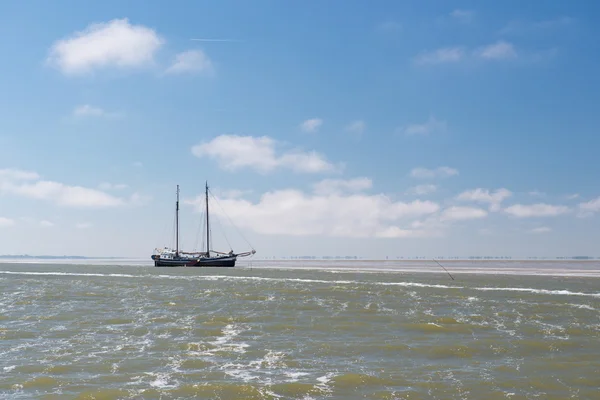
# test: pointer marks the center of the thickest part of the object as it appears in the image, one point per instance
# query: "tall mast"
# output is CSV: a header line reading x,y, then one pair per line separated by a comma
x,y
177,224
207,228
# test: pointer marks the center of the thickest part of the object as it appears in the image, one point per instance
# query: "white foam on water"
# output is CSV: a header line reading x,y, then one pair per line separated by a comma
x,y
294,376
9,368
239,371
224,343
324,382
301,280
582,306
162,380
538,291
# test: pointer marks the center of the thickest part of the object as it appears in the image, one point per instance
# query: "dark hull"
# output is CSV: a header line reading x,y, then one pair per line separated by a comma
x,y
215,262
177,262
228,261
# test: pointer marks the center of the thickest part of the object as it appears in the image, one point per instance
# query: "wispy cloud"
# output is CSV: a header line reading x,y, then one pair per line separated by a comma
x,y
500,50
445,55
83,225
421,190
6,222
440,172
541,229
116,43
89,111
234,152
46,224
589,207
494,199
337,186
463,16
357,127
28,184
432,125
191,61
462,213
536,210
311,125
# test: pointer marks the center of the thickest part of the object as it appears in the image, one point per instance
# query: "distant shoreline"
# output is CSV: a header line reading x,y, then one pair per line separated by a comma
x,y
25,256
330,260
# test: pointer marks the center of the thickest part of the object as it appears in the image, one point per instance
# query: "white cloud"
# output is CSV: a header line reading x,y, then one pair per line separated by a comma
x,y
111,186
87,110
500,50
6,222
424,189
292,212
462,213
191,61
336,186
115,43
463,15
494,199
28,184
234,152
311,125
432,125
357,127
541,229
440,172
46,224
573,196
536,210
10,174
589,207
83,225
441,56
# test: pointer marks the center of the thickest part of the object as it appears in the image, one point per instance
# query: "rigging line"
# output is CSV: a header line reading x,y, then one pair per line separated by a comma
x,y
223,231
443,268
236,228
200,226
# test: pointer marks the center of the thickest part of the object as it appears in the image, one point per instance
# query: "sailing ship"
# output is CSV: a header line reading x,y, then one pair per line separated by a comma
x,y
168,257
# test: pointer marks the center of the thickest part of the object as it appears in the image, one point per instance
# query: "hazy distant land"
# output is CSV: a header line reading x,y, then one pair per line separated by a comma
x,y
48,257
324,258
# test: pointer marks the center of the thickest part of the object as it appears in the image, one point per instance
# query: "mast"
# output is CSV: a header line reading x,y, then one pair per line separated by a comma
x,y
177,224
207,226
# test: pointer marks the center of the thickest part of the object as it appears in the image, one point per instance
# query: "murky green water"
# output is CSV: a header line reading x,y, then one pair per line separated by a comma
x,y
85,332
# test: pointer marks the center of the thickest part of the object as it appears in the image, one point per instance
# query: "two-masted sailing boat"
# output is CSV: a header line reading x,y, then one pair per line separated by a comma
x,y
168,257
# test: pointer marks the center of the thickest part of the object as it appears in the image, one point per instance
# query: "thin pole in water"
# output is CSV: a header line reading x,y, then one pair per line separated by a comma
x,y
443,268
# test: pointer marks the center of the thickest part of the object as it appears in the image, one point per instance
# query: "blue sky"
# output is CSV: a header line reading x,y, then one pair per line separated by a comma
x,y
341,127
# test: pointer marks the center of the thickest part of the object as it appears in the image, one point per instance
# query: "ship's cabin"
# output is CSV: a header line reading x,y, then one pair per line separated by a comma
x,y
167,254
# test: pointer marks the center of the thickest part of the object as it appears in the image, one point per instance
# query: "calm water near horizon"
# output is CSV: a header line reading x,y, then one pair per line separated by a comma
x,y
303,330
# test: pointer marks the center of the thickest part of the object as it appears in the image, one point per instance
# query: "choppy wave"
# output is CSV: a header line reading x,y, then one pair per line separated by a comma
x,y
96,332
305,280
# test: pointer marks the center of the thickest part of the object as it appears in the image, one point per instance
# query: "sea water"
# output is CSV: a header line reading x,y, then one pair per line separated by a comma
x,y
301,330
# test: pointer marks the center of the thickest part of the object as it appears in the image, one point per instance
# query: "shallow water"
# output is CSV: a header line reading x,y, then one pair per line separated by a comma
x,y
118,332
